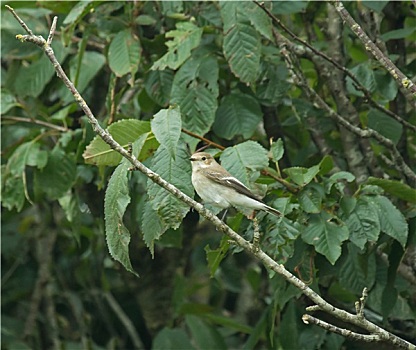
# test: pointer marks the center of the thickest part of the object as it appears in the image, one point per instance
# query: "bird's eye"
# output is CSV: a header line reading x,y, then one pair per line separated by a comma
x,y
204,158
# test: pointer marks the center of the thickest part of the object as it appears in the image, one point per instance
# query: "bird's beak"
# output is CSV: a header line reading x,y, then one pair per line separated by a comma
x,y
192,159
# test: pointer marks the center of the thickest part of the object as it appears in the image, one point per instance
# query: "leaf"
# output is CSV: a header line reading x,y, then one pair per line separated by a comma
x,y
204,335
398,33
336,178
396,188
186,37
175,338
8,101
77,12
242,48
385,125
257,17
32,79
116,200
166,126
365,75
302,176
358,270
177,172
195,90
58,176
363,224
238,114
152,226
13,193
277,150
247,155
124,131
124,53
158,85
289,7
310,198
214,257
326,236
392,221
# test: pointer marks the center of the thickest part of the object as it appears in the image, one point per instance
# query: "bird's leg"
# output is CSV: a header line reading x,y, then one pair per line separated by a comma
x,y
223,215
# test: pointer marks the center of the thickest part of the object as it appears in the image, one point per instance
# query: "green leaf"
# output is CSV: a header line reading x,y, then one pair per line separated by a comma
x,y
32,79
177,172
58,176
289,7
13,192
204,335
377,6
238,114
166,126
257,17
398,33
365,74
186,37
242,49
336,178
158,85
392,221
310,198
363,223
247,155
195,90
77,12
302,176
396,188
358,270
326,236
172,339
124,53
152,226
124,131
116,200
8,101
277,150
214,257
385,125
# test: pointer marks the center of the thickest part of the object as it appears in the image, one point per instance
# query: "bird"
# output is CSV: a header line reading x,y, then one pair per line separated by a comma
x,y
216,186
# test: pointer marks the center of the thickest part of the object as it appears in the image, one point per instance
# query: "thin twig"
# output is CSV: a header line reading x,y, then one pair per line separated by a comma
x,y
23,24
52,31
37,122
199,137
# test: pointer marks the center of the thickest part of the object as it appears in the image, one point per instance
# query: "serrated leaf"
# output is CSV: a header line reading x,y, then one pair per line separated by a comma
x,y
13,193
363,224
77,12
310,198
357,271
116,200
124,53
385,125
247,155
186,37
124,131
195,90
258,18
152,226
326,236
177,172
238,114
242,49
166,126
392,221
336,178
396,188
158,85
58,176
365,74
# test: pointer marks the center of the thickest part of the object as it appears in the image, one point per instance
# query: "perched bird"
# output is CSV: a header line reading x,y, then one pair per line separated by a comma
x,y
216,186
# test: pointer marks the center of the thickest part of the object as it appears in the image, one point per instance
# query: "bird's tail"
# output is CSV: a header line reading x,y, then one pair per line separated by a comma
x,y
271,210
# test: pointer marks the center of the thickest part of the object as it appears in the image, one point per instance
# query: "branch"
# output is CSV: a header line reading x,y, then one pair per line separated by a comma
x,y
395,72
311,50
240,241
37,122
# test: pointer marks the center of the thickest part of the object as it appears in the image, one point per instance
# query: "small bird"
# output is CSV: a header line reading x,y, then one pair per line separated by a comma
x,y
216,186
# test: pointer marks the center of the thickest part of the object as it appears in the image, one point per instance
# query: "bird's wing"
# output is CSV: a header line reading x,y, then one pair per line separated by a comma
x,y
232,182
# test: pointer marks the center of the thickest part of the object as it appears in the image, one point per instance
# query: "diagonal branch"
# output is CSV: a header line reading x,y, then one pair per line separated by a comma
x,y
240,241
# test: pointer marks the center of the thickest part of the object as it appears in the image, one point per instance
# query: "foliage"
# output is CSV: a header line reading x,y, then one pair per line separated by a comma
x,y
155,73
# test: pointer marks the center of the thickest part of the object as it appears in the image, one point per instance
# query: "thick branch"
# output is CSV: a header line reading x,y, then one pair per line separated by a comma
x,y
240,241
